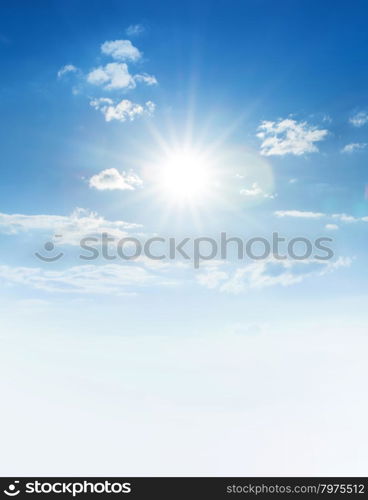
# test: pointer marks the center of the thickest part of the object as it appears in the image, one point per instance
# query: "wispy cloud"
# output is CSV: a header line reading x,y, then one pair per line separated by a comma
x,y
348,218
112,179
68,68
256,192
134,30
288,136
145,78
359,119
318,215
354,146
72,227
264,274
85,279
123,110
299,214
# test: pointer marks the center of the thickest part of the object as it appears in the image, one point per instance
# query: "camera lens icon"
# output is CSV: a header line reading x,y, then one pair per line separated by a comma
x,y
49,246
12,490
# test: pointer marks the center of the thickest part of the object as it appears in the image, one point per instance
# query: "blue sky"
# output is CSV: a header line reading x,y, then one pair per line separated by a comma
x,y
183,120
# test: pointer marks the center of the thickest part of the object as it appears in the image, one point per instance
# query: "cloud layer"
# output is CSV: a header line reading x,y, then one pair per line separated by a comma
x,y
86,279
79,224
268,273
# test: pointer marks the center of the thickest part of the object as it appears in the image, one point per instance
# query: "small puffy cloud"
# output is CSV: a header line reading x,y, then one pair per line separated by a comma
x,y
293,181
134,30
299,214
111,179
116,76
354,146
68,68
288,136
332,227
121,50
112,76
359,119
256,192
123,110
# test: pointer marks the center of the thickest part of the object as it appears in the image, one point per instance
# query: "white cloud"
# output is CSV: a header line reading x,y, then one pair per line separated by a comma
x,y
317,215
271,272
145,78
101,101
293,181
332,227
68,68
299,214
111,179
354,146
150,107
121,50
116,76
346,218
256,192
288,136
134,29
112,76
72,227
123,110
359,119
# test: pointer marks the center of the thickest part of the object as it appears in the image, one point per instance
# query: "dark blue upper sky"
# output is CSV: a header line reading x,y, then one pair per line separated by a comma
x,y
263,58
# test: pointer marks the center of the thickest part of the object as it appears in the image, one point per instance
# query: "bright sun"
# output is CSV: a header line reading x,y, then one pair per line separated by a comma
x,y
185,176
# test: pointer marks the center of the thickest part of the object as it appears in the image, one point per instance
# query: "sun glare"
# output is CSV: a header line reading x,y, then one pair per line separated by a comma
x,y
185,176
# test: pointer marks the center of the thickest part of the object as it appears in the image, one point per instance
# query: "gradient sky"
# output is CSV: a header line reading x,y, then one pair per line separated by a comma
x,y
155,368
